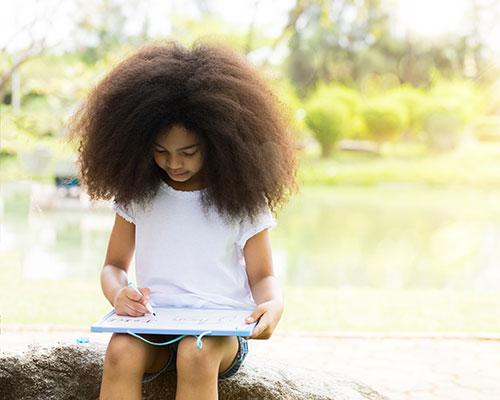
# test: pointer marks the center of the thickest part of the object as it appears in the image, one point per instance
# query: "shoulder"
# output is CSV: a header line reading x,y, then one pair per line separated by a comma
x,y
126,211
250,226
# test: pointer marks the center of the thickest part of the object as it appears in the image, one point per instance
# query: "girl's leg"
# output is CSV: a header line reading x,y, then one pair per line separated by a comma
x,y
126,360
197,370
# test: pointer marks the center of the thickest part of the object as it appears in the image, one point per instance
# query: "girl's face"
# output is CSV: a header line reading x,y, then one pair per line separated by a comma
x,y
179,153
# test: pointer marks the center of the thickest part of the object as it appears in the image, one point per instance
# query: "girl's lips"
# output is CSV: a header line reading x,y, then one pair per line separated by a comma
x,y
174,174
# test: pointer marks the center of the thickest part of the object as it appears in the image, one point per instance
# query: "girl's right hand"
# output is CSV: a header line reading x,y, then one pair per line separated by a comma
x,y
129,302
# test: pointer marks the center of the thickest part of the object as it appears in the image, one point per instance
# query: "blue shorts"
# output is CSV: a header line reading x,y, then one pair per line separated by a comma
x,y
172,362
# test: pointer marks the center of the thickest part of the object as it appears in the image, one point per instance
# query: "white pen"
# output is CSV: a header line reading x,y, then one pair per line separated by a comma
x,y
148,306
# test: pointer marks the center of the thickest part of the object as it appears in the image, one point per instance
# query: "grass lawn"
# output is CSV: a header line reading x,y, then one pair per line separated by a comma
x,y
476,166
390,310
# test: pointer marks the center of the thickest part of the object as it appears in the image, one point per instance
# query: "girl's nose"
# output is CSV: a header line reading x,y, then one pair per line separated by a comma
x,y
174,164
174,167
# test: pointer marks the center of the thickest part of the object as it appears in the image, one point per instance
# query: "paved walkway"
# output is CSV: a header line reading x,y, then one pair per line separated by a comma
x,y
402,368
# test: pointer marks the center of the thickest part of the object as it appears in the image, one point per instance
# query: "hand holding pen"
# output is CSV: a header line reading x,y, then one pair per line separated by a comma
x,y
146,299
134,302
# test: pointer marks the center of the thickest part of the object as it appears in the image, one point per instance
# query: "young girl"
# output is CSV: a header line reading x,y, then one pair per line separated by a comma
x,y
194,149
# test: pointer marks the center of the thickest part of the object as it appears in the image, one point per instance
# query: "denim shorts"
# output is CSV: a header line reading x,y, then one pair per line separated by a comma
x,y
171,363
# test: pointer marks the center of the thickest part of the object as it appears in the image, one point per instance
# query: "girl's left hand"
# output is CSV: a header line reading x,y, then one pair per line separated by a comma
x,y
269,314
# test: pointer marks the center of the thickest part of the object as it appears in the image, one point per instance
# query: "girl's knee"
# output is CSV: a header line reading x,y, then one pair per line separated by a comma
x,y
124,353
199,361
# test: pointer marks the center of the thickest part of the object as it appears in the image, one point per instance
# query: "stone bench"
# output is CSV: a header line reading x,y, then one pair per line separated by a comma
x,y
74,372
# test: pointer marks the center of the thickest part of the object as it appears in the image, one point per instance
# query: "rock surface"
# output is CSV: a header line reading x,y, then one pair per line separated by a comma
x,y
74,372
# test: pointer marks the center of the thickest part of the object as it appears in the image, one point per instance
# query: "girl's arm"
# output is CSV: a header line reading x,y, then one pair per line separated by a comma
x,y
265,287
114,280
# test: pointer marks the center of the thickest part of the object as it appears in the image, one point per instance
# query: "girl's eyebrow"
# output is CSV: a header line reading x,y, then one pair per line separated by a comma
x,y
182,148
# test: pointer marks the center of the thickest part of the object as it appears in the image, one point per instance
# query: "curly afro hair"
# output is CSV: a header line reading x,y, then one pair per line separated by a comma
x,y
214,92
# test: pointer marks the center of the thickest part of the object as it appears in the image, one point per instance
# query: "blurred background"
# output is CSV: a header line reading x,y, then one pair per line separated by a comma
x,y
396,110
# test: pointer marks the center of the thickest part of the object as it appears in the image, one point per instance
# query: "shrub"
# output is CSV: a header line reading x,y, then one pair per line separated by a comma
x,y
332,113
412,100
328,123
385,118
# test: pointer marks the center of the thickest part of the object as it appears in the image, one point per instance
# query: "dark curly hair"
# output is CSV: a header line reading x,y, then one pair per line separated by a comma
x,y
214,92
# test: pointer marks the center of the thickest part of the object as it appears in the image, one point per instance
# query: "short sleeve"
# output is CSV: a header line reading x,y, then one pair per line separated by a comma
x,y
262,221
124,211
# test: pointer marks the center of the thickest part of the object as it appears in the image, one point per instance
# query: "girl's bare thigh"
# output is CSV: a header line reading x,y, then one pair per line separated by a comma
x,y
151,358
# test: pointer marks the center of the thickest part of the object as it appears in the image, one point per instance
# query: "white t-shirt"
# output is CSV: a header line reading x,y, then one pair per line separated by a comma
x,y
189,258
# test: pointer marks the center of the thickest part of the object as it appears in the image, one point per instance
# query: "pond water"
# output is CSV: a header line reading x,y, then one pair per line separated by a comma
x,y
401,237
